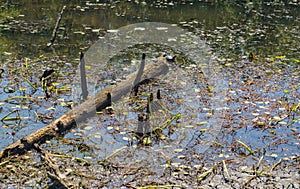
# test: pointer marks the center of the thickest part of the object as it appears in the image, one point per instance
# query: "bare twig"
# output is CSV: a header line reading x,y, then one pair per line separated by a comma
x,y
56,27
54,172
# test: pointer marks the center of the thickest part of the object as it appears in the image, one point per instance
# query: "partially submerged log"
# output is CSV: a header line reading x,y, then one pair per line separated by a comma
x,y
81,112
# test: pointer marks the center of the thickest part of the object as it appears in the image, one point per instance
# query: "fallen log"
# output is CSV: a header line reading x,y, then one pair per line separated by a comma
x,y
84,110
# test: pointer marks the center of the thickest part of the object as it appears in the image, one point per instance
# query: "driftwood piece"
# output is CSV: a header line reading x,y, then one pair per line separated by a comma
x,y
81,112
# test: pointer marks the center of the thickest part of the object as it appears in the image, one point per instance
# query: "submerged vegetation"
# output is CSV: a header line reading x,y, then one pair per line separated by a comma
x,y
255,52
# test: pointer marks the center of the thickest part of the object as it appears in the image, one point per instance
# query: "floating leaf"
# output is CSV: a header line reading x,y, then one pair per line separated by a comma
x,y
273,155
162,136
112,31
188,126
210,88
221,59
260,123
282,122
139,29
97,135
88,128
202,123
162,28
79,32
126,139
277,118
178,150
280,57
95,30
87,67
109,128
203,130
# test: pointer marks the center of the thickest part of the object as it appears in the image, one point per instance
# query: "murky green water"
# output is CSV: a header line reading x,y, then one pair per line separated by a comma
x,y
260,27
262,95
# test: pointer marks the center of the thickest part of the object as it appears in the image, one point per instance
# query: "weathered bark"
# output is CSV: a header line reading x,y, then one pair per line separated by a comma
x,y
81,112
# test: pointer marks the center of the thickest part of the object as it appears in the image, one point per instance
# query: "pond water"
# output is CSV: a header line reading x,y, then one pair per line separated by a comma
x,y
254,49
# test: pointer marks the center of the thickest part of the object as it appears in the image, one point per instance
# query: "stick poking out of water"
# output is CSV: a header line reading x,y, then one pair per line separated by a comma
x,y
139,75
83,77
56,27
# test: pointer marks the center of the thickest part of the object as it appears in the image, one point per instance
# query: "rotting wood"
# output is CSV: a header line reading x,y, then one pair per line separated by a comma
x,y
81,112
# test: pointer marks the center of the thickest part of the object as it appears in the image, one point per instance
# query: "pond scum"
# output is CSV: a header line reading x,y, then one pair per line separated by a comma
x,y
257,146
